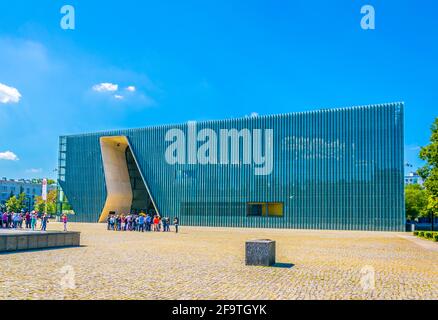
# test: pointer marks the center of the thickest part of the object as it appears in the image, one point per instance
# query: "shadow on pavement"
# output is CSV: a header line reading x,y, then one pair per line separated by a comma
x,y
283,265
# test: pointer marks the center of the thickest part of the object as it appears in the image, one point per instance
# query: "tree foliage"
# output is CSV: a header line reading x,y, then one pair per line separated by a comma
x,y
432,206
40,204
429,172
416,201
40,181
16,204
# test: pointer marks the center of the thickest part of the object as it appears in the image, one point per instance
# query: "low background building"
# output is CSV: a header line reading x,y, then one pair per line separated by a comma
x,y
413,178
12,187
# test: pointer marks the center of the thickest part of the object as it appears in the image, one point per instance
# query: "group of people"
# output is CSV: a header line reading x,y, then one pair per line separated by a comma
x,y
141,223
15,220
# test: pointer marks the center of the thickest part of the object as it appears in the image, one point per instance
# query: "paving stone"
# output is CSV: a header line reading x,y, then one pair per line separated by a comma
x,y
209,263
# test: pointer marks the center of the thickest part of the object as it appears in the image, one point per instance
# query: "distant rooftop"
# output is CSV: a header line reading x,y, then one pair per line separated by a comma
x,y
23,181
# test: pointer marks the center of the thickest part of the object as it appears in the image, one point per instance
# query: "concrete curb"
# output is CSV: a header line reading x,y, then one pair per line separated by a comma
x,y
23,241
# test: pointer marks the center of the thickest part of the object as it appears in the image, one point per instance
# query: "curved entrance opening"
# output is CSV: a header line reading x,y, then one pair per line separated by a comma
x,y
127,191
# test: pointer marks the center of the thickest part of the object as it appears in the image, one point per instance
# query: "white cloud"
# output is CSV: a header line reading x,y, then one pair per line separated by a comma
x,y
9,94
34,170
118,97
106,87
8,155
131,89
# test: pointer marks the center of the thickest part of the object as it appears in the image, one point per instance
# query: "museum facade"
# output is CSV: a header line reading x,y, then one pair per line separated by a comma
x,y
340,169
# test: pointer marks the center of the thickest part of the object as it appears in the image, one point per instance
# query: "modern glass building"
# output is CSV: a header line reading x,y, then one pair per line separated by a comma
x,y
329,169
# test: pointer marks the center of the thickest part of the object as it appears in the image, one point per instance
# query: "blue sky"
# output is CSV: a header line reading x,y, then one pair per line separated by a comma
x,y
197,60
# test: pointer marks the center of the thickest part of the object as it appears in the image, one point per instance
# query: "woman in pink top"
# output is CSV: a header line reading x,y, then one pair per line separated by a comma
x,y
64,220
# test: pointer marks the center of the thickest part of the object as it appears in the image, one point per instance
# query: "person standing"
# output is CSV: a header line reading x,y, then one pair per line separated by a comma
x,y
16,220
112,223
137,223
156,223
10,220
176,223
64,220
5,220
27,220
163,222
160,222
33,220
141,223
129,222
119,222
44,220
168,224
122,222
147,222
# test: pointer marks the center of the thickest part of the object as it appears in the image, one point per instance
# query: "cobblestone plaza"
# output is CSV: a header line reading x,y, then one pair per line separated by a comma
x,y
208,263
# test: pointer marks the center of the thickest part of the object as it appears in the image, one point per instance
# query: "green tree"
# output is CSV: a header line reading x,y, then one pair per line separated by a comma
x,y
12,204
416,201
40,181
22,200
16,204
432,206
40,204
429,172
